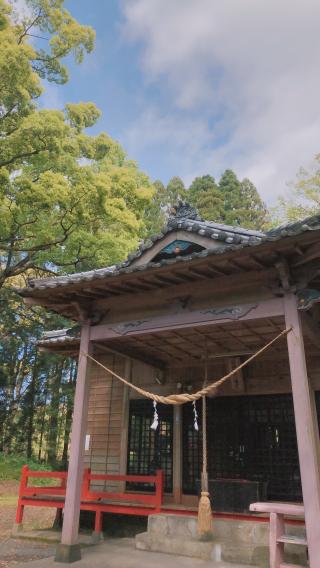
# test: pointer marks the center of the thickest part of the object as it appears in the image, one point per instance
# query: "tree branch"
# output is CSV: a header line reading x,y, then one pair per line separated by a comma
x,y
19,156
27,28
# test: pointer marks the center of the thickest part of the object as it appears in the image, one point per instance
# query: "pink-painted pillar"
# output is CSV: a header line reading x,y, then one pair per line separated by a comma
x,y
306,428
69,550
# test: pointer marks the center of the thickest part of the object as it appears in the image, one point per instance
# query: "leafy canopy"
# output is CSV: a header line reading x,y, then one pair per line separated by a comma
x,y
231,201
164,198
68,201
205,195
304,197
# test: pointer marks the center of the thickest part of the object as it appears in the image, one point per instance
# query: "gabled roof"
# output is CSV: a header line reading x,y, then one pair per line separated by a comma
x,y
184,218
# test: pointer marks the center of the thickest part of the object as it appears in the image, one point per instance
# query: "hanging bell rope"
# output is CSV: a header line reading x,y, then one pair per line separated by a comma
x,y
204,509
182,398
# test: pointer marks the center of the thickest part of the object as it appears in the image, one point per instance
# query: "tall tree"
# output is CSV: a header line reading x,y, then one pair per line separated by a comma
x,y
303,198
156,212
242,203
204,194
164,198
50,169
175,192
68,201
253,211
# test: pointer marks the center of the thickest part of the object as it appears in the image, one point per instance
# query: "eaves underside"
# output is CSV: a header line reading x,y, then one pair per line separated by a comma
x,y
61,294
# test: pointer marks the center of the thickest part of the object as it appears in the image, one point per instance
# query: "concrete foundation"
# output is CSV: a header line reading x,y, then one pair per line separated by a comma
x,y
234,541
68,553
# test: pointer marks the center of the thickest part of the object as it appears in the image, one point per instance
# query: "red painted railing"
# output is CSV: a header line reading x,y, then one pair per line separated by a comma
x,y
91,500
277,535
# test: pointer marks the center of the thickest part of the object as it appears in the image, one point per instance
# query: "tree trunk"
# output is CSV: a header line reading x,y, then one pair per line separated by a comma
x,y
42,422
31,410
54,413
69,412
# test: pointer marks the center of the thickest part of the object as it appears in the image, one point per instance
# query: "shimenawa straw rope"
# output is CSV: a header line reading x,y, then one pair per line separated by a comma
x,y
204,510
182,398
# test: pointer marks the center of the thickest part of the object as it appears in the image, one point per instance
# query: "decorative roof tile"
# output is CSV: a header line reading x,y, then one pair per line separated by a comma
x,y
184,217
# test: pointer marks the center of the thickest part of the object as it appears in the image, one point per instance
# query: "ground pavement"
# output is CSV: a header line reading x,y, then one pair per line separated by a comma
x,y
121,553
12,550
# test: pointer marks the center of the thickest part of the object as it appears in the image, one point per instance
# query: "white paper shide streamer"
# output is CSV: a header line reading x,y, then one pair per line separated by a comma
x,y
155,422
195,416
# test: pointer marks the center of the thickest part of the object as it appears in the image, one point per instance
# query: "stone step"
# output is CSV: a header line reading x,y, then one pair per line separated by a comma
x,y
238,542
186,547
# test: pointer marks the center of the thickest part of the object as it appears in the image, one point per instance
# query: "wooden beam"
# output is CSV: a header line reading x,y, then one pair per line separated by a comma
x,y
306,428
211,286
147,360
283,269
237,381
311,328
186,318
310,254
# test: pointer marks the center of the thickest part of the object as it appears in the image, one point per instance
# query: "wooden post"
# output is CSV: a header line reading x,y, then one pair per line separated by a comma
x,y
159,490
20,508
177,454
276,531
125,422
306,428
69,550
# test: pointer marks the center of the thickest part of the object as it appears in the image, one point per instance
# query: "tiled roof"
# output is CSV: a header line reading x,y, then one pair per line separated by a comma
x,y
60,337
185,219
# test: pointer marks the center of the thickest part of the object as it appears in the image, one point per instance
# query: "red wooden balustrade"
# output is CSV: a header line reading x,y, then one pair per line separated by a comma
x,y
91,500
277,536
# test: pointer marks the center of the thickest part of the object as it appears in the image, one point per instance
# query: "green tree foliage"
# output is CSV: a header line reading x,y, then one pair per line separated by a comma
x,y
252,211
66,199
175,192
230,201
303,200
36,389
242,203
156,213
164,198
205,195
50,21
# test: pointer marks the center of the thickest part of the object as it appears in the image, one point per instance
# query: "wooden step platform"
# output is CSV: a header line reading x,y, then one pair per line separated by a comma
x,y
291,539
286,565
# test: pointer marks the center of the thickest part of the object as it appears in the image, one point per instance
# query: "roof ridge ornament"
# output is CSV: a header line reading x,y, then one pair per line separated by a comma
x,y
184,210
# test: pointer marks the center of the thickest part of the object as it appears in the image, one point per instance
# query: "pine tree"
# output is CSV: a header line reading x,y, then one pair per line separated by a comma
x,y
242,203
205,196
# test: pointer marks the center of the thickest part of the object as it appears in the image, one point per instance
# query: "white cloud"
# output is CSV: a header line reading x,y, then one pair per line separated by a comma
x,y
51,97
245,73
21,9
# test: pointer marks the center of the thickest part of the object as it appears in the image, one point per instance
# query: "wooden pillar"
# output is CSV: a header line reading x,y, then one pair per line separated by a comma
x,y
69,550
177,454
306,428
125,421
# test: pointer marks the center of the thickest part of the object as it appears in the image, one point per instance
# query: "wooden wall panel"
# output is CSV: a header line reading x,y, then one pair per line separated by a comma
x,y
105,420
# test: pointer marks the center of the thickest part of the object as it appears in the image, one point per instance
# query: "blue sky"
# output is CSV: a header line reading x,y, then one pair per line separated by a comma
x,y
113,79
191,87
